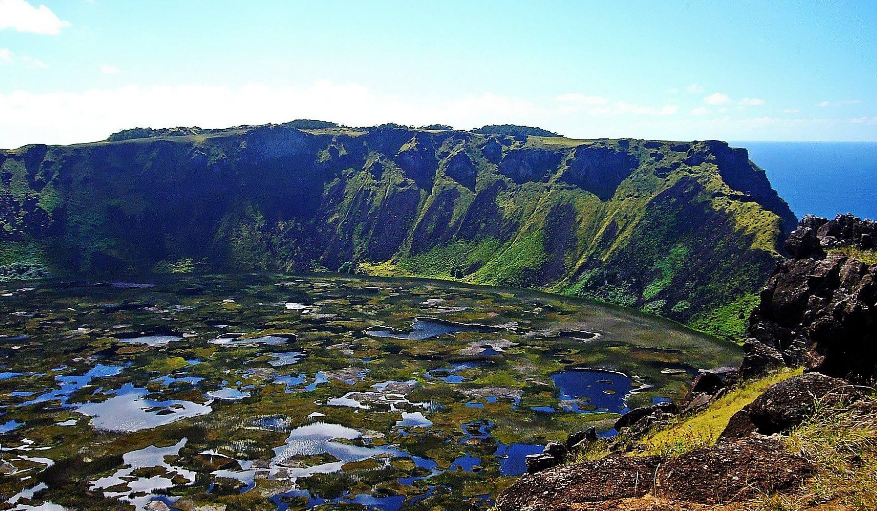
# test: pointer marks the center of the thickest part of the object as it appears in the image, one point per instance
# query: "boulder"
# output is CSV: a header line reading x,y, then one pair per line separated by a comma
x,y
786,404
552,455
759,358
646,415
707,383
555,449
579,437
706,388
539,462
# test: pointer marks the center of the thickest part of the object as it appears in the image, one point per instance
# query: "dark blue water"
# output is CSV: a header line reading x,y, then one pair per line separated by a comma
x,y
514,457
603,389
821,178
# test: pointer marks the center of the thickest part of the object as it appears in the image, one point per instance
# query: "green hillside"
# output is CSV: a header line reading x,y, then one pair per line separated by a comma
x,y
687,230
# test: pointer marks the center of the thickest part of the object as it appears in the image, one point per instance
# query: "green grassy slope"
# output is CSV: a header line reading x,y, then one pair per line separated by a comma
x,y
686,230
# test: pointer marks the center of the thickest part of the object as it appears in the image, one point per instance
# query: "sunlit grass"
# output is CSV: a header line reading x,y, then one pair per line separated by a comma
x,y
704,428
866,256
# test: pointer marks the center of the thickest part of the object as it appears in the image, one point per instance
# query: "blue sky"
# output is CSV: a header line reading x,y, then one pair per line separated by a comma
x,y
76,70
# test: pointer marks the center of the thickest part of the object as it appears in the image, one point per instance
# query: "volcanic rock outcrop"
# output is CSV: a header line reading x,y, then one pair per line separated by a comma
x,y
819,309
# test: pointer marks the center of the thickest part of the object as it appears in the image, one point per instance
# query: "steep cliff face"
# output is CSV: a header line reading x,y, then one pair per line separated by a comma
x,y
681,229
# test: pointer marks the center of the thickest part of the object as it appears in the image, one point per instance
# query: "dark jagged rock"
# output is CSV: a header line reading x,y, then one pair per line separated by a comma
x,y
707,383
555,449
576,439
706,388
727,472
819,310
759,358
644,417
552,455
786,404
539,462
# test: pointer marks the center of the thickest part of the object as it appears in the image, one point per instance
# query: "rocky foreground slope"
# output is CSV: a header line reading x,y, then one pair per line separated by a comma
x,y
764,437
689,230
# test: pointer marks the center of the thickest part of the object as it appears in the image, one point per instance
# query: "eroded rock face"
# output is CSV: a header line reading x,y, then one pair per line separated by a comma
x,y
819,310
727,472
786,404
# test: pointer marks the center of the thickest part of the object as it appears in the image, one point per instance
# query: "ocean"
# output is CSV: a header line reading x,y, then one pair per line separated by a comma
x,y
821,178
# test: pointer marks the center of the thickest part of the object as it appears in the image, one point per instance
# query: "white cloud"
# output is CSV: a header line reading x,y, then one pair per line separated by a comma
x,y
7,56
695,89
701,110
625,108
870,121
21,16
752,101
716,98
576,102
109,70
674,90
791,111
32,62
824,104
600,106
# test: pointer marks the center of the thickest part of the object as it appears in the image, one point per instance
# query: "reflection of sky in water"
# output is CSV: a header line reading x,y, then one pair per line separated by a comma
x,y
421,329
319,379
270,340
311,440
167,381
603,389
464,463
9,426
318,438
285,359
141,489
290,381
152,340
413,420
448,374
228,394
129,410
70,384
